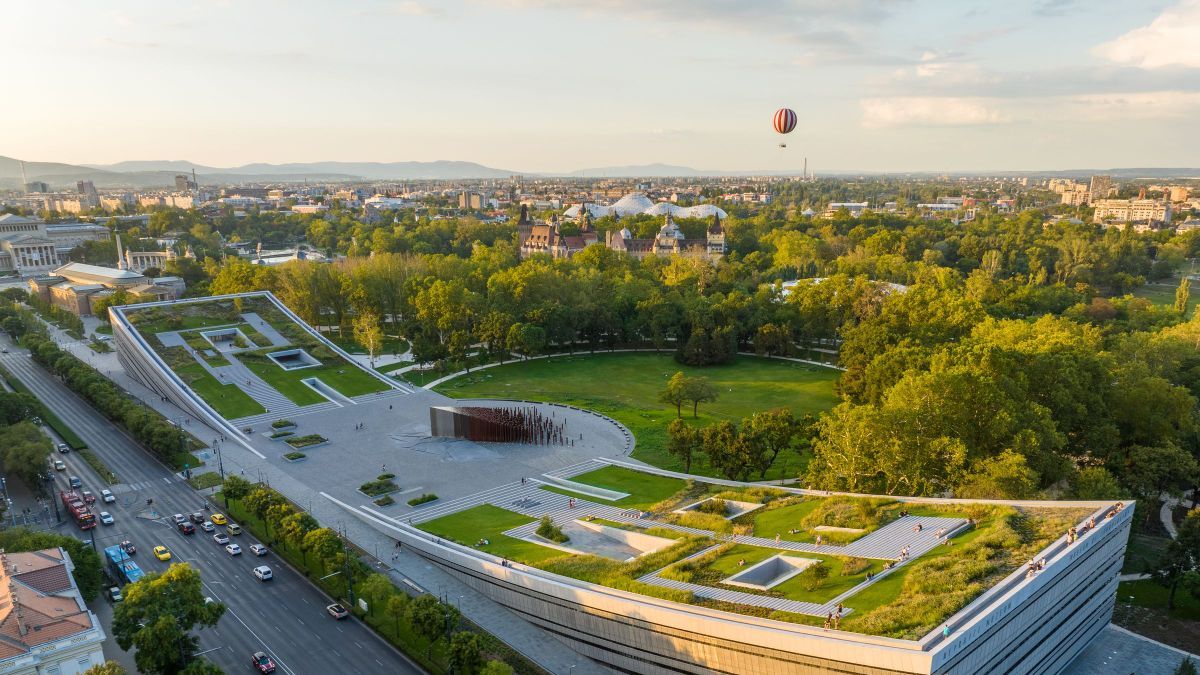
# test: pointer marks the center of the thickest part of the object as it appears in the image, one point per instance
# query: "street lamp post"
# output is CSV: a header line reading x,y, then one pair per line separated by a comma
x,y
221,468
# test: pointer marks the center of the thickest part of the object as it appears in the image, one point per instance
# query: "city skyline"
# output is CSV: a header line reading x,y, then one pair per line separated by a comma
x,y
547,86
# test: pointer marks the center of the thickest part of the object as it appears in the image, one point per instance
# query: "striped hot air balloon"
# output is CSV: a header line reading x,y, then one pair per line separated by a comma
x,y
785,120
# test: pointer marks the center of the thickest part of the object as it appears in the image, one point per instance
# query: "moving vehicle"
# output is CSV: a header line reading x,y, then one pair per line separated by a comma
x,y
258,550
59,465
79,510
108,496
262,662
337,611
207,526
187,528
115,594
106,518
128,547
233,529
219,519
121,566
178,518
221,538
75,482
64,448
162,552
263,573
196,517
89,497
233,549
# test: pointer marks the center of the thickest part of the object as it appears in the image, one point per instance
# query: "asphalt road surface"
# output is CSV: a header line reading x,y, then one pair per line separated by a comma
x,y
285,617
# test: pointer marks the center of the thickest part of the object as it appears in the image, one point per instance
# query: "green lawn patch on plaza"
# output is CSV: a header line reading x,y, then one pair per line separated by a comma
x,y
228,400
625,386
489,522
201,481
644,489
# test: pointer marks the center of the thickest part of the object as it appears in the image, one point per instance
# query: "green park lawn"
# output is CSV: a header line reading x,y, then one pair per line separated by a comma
x,y
1163,294
625,386
228,400
490,522
645,489
1147,593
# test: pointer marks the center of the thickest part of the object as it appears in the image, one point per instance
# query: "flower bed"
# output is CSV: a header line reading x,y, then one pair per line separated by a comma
x,y
280,434
385,500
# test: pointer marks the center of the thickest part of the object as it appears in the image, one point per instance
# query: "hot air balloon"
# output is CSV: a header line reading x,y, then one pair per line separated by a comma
x,y
785,121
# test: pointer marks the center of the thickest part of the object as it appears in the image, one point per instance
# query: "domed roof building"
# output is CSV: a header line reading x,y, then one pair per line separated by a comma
x,y
636,203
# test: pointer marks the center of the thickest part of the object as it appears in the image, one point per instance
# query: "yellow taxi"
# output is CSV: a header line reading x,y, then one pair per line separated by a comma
x,y
218,519
162,553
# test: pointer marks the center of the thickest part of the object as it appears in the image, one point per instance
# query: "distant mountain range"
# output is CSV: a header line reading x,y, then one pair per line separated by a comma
x,y
161,173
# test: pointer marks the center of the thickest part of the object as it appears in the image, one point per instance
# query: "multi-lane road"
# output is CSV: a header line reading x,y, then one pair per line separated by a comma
x,y
285,617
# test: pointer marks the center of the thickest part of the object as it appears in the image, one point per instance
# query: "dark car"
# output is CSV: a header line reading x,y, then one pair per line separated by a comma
x,y
263,662
75,482
196,517
187,528
128,547
64,448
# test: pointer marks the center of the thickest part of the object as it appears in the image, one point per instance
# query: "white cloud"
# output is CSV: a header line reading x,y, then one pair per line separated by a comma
x,y
882,113
1172,39
1140,105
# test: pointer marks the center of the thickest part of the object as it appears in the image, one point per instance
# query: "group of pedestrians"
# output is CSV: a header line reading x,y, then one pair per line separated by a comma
x,y
834,618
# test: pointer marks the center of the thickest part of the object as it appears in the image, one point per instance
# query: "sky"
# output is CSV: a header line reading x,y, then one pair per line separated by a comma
x,y
559,85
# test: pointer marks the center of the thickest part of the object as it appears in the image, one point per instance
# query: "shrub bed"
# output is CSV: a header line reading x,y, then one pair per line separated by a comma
x,y
548,530
377,488
282,424
715,506
281,434
294,456
306,441
423,499
385,500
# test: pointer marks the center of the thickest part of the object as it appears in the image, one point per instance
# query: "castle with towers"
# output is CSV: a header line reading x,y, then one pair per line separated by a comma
x,y
670,240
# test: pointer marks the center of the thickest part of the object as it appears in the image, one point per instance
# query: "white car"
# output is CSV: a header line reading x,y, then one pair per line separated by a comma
x,y
263,573
106,518
207,526
233,549
107,496
59,465
258,550
221,538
